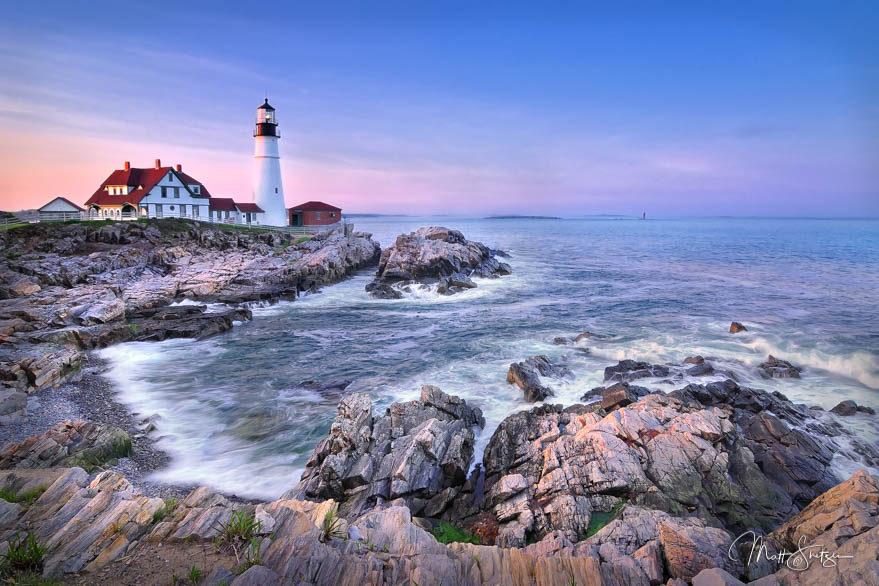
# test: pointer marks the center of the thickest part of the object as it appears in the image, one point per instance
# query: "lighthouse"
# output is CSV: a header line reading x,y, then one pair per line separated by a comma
x,y
268,190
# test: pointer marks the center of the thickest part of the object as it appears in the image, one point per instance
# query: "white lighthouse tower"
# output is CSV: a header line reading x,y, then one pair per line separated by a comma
x,y
268,190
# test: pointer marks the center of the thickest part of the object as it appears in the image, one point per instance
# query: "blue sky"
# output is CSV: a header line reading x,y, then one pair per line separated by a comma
x,y
419,107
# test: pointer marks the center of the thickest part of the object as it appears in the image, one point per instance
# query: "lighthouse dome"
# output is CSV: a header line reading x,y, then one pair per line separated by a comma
x,y
266,106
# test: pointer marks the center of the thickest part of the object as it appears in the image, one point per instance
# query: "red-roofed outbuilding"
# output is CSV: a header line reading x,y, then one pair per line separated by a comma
x,y
314,213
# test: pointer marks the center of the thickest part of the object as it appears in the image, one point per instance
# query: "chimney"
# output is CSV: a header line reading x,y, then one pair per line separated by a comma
x,y
179,167
158,163
128,165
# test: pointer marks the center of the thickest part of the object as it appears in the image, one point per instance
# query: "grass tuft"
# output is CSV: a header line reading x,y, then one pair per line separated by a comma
x,y
447,533
24,555
331,528
26,498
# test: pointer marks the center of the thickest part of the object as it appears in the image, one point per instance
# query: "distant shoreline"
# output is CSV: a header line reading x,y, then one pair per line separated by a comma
x,y
522,218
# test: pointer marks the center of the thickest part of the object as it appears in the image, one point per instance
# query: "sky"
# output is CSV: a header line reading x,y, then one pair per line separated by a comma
x,y
676,109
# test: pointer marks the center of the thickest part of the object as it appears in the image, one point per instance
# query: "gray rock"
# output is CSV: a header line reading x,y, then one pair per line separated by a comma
x,y
257,576
433,254
219,575
776,368
628,370
716,577
845,408
13,405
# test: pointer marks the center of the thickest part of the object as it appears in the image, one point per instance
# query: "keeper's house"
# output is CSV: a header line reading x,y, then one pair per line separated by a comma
x,y
314,213
162,192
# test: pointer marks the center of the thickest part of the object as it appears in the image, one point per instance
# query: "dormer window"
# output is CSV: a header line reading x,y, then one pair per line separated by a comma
x,y
196,188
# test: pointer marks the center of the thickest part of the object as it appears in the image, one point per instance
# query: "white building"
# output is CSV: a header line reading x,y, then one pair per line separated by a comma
x,y
162,192
59,209
268,189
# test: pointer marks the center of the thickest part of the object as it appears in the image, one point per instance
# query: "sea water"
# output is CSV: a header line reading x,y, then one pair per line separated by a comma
x,y
234,412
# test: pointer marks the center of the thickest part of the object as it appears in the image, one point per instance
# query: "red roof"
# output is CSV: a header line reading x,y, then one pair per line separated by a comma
x,y
248,207
190,181
316,206
64,199
223,204
140,181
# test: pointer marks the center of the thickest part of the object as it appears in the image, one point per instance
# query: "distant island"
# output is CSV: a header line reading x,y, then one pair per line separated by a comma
x,y
522,218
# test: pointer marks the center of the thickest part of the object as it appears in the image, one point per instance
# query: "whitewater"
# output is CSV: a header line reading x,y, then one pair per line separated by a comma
x,y
242,411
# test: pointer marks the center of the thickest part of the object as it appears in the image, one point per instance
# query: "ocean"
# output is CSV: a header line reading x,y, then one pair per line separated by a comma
x,y
242,411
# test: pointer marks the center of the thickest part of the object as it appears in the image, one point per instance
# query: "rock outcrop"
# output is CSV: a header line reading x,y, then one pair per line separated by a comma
x,y
70,443
107,532
735,457
419,451
67,289
434,255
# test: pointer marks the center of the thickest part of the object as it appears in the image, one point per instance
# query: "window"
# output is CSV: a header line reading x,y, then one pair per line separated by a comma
x,y
164,192
196,189
176,193
317,215
194,211
172,208
170,177
332,214
276,190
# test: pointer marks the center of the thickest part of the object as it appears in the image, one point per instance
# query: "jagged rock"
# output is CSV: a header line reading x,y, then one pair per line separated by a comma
x,y
414,452
13,405
845,521
718,450
526,375
75,287
736,327
433,254
776,368
219,575
70,443
629,370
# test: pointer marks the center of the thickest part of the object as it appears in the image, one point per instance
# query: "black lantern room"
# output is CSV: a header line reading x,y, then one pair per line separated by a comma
x,y
266,124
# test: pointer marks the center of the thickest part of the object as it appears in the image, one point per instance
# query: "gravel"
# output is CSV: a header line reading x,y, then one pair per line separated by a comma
x,y
90,397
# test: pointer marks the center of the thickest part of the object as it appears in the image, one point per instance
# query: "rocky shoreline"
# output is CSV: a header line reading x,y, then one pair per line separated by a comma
x,y
640,484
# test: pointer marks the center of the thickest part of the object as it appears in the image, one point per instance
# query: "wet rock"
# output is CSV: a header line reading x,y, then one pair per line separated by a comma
x,y
433,254
560,341
736,327
867,410
776,368
629,370
70,443
845,408
526,375
184,322
616,395
415,451
700,369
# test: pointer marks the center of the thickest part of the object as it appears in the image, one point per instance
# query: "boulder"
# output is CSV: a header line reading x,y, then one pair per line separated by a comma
x,y
418,451
526,375
736,327
845,408
776,368
629,370
433,255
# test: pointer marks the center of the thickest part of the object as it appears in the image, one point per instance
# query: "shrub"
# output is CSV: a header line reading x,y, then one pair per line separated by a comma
x,y
194,575
26,498
448,533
